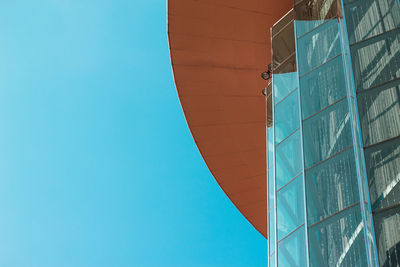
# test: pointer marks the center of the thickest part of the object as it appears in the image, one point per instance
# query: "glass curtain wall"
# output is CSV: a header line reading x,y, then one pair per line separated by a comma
x,y
287,212
339,219
320,211
373,28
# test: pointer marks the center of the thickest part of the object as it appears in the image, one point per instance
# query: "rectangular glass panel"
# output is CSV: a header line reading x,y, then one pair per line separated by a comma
x,y
326,133
312,13
283,45
383,166
284,83
387,232
290,207
287,117
338,241
291,251
288,160
379,111
367,18
318,46
283,22
322,87
376,60
331,186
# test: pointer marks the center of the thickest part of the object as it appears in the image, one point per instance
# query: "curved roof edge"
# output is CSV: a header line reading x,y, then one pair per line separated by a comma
x,y
218,51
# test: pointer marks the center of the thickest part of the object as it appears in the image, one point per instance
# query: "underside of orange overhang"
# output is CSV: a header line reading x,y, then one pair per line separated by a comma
x,y
218,50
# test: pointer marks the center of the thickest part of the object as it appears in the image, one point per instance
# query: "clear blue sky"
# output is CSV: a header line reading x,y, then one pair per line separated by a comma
x,y
97,165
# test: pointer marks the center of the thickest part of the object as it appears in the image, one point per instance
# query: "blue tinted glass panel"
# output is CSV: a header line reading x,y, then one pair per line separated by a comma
x,y
376,60
271,187
291,251
379,114
271,230
271,260
338,241
322,87
270,147
288,159
290,207
367,18
383,166
284,83
331,186
326,133
287,118
318,46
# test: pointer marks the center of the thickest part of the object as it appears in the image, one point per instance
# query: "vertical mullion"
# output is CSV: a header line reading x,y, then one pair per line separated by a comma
x,y
302,149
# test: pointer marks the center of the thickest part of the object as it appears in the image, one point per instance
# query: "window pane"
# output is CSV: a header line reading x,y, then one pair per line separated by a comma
x,y
331,186
291,251
383,165
311,13
287,118
326,133
387,233
288,159
283,22
379,111
376,60
284,83
367,18
338,241
283,45
322,87
318,46
290,207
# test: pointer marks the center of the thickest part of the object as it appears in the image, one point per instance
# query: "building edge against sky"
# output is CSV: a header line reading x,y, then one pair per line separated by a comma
x,y
334,114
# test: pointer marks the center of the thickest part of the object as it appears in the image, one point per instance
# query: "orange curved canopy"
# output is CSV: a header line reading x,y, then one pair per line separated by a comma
x,y
218,50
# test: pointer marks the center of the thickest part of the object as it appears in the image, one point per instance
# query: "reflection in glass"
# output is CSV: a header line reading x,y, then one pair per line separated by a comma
x,y
367,18
376,60
387,232
331,186
287,118
291,251
383,165
290,207
338,241
283,45
322,87
288,160
379,114
312,13
326,133
318,46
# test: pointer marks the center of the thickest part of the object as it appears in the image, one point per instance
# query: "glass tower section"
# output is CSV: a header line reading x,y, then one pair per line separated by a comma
x,y
373,28
334,137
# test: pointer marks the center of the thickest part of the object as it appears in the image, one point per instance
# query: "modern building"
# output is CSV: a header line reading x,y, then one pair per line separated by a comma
x,y
326,191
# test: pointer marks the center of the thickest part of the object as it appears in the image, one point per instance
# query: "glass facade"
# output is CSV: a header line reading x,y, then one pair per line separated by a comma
x,y
334,137
373,28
